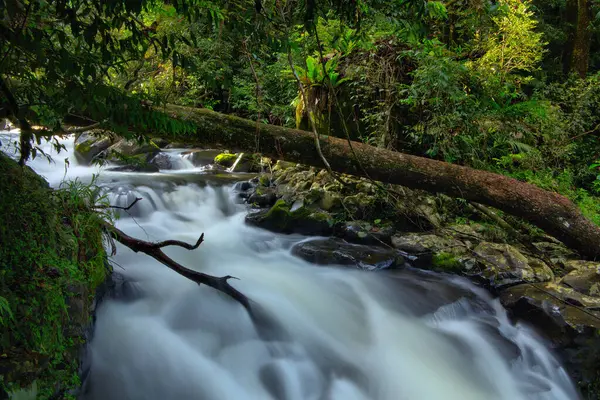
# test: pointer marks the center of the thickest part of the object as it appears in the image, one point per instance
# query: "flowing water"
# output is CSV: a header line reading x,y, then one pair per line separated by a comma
x,y
316,332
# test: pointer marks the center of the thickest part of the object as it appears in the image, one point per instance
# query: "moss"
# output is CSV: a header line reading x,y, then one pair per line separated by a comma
x,y
446,262
226,159
83,147
51,260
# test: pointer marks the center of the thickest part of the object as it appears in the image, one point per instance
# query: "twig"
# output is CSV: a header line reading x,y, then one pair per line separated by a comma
x,y
101,207
586,133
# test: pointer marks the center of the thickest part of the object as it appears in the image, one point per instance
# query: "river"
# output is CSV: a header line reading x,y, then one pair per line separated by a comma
x,y
317,332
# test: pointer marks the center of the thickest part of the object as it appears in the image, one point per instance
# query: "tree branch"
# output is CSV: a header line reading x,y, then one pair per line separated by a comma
x,y
101,207
154,250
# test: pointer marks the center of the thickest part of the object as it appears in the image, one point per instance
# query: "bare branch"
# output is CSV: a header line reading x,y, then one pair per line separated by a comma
x,y
179,243
119,207
154,250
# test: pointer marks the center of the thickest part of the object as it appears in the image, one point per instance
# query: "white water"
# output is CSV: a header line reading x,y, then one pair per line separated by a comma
x,y
317,333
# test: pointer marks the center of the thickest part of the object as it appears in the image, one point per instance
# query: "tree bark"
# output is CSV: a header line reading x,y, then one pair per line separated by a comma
x,y
550,211
578,14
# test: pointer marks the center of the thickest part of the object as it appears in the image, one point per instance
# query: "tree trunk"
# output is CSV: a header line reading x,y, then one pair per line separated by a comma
x,y
550,211
578,15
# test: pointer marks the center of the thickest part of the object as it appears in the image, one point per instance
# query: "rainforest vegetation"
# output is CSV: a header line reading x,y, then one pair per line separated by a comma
x,y
506,88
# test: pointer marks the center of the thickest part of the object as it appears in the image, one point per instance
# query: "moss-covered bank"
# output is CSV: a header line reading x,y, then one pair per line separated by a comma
x,y
51,261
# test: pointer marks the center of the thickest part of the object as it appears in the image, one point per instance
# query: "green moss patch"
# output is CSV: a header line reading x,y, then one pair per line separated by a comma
x,y
446,262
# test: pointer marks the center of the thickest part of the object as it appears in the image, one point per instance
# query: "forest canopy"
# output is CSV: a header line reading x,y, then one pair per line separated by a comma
x,y
509,86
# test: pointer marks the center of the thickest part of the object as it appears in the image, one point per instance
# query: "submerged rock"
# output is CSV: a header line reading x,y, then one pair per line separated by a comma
x,y
289,219
334,251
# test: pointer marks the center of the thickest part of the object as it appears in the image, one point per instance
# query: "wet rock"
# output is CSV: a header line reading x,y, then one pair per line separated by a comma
x,y
162,161
569,320
128,148
284,218
334,251
365,233
263,199
243,186
501,264
584,280
90,145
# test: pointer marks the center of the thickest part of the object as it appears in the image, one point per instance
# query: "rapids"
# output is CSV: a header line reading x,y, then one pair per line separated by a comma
x,y
316,332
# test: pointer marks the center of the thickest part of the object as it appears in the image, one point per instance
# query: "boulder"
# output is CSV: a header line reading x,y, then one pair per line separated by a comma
x,y
162,161
501,264
571,323
284,218
263,199
584,280
90,145
334,251
129,147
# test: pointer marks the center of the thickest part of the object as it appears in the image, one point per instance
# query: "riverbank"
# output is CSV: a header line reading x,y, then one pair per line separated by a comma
x,y
52,261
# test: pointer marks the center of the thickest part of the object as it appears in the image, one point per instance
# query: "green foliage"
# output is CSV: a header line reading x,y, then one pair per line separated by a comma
x,y
513,47
52,255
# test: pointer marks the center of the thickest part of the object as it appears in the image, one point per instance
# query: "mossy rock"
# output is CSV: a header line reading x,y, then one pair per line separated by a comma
x,y
226,159
502,264
281,218
129,148
446,262
584,280
47,300
90,145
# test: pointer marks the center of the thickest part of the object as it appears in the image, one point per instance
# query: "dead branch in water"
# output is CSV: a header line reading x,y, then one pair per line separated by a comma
x,y
154,250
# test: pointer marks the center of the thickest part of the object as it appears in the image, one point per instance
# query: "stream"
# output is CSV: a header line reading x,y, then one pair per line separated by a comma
x,y
317,332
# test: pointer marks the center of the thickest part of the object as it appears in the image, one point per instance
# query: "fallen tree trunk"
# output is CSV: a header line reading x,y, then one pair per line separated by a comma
x,y
550,211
